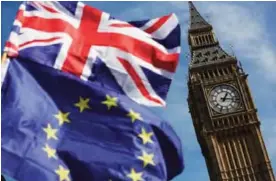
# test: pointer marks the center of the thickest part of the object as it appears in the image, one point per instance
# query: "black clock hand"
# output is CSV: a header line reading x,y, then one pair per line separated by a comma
x,y
228,98
223,99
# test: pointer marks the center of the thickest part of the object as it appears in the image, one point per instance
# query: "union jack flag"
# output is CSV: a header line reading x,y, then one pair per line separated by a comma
x,y
141,56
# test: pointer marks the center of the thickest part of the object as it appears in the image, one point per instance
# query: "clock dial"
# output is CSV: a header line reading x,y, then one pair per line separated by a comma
x,y
224,99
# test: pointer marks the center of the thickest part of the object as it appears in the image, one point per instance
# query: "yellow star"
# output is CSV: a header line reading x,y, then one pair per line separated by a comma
x,y
134,116
83,104
146,137
135,176
62,173
146,158
50,151
51,133
110,101
62,117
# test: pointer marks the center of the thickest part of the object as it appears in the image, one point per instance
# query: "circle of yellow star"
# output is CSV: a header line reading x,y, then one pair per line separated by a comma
x,y
50,132
62,117
51,153
146,158
135,176
146,137
62,173
134,116
83,104
110,102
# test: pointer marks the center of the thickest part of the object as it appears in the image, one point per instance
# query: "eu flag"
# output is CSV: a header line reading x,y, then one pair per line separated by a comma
x,y
56,126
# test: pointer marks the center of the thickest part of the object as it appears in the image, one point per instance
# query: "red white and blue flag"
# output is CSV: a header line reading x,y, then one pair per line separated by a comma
x,y
140,56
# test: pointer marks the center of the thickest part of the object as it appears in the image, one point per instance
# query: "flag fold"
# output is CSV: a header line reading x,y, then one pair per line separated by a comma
x,y
141,56
56,126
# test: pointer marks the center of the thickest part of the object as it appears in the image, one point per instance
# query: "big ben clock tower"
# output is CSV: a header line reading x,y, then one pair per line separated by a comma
x,y
224,115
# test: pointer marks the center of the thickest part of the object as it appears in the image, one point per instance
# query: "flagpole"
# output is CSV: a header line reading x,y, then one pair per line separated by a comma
x,y
4,57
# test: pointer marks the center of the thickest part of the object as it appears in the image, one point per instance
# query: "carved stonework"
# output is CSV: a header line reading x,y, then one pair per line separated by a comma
x,y
210,55
222,110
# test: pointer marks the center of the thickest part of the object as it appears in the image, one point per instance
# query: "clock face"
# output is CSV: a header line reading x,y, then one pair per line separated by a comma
x,y
224,99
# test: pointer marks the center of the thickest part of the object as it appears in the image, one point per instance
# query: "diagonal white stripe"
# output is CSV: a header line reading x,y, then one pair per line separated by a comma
x,y
67,41
166,28
109,56
87,69
102,50
28,34
63,15
136,34
149,24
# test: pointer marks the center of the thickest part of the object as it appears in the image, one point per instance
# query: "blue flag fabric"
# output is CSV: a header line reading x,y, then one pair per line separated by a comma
x,y
56,126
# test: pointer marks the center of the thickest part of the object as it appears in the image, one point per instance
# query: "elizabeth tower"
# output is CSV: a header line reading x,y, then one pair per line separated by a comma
x,y
224,115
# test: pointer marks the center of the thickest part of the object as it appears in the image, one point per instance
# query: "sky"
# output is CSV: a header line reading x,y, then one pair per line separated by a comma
x,y
247,27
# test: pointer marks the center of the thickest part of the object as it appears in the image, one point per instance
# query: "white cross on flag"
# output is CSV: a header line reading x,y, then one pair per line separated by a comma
x,y
136,58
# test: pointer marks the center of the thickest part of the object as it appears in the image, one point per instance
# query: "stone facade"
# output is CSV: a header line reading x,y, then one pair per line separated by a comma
x,y
223,112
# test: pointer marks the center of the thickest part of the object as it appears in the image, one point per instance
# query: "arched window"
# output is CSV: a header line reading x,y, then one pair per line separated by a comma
x,y
200,39
216,73
197,42
209,38
210,73
220,72
206,38
206,75
225,71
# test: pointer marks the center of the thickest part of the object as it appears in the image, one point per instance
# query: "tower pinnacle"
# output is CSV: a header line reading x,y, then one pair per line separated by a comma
x,y
222,109
196,20
204,46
